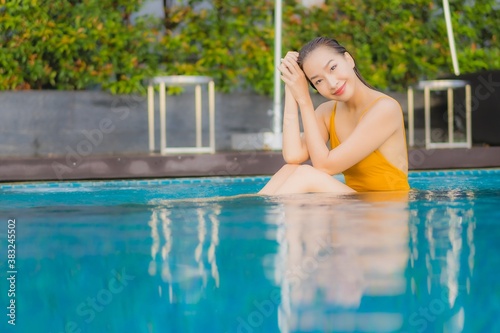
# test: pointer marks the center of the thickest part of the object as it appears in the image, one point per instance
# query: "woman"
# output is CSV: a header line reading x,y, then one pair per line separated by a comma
x,y
364,126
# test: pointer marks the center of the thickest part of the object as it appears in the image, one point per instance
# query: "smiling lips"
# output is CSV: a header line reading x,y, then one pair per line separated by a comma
x,y
340,90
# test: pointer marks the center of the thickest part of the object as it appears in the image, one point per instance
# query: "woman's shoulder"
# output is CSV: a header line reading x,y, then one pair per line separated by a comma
x,y
388,101
326,107
382,104
384,108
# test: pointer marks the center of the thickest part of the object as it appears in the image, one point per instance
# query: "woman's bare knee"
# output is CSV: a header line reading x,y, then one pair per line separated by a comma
x,y
305,169
290,167
306,178
279,179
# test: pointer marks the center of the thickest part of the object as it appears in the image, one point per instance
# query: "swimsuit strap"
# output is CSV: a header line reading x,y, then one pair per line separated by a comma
x,y
332,117
370,105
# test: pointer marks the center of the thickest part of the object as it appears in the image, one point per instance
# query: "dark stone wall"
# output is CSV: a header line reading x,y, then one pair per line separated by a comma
x,y
83,123
44,123
485,106
48,123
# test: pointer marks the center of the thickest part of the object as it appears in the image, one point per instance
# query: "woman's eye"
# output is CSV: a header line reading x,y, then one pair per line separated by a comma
x,y
333,67
317,82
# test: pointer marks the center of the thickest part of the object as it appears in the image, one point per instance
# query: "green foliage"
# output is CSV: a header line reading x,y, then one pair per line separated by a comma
x,y
231,41
397,42
477,25
74,45
82,44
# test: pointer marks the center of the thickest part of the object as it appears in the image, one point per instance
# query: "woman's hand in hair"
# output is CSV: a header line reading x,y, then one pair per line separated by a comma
x,y
294,77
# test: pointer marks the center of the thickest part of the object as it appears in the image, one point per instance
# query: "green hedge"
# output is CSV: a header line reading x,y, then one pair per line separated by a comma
x,y
63,44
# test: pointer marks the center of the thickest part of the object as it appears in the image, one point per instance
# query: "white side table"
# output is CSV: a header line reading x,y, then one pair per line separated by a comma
x,y
178,81
440,85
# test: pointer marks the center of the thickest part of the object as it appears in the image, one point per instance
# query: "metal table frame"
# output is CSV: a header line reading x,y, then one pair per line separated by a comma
x,y
178,81
440,85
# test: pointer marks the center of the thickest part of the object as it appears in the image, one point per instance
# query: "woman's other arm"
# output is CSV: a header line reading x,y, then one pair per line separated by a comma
x,y
294,145
379,124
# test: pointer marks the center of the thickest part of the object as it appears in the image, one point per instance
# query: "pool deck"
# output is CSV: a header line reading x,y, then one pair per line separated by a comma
x,y
228,163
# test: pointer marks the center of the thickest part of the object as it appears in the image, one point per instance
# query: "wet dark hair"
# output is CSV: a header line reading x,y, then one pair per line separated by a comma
x,y
331,43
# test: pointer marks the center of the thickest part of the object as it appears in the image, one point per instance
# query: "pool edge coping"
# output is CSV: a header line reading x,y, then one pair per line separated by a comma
x,y
217,179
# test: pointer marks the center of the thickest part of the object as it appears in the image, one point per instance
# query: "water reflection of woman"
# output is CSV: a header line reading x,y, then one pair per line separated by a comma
x,y
344,257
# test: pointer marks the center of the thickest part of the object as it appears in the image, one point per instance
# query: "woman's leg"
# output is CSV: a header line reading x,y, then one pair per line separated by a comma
x,y
278,179
306,178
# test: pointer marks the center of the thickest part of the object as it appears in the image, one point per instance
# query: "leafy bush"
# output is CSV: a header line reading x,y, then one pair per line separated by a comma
x,y
81,44
231,40
397,42
74,45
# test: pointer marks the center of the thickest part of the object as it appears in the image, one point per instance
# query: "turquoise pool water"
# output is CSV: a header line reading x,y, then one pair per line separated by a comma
x,y
195,255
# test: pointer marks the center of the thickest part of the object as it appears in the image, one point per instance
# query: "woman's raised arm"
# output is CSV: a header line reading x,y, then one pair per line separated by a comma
x,y
294,145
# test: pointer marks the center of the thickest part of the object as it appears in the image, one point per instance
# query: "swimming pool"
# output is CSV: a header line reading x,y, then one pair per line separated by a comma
x,y
199,255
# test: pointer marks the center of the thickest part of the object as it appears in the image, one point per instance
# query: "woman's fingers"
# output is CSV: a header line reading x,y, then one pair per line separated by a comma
x,y
290,58
284,69
292,54
291,65
291,68
291,73
295,65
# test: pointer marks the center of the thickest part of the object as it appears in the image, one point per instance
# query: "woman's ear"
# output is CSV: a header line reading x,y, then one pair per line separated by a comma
x,y
349,59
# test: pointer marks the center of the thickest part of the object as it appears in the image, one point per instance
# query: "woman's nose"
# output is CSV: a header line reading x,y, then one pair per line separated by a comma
x,y
332,82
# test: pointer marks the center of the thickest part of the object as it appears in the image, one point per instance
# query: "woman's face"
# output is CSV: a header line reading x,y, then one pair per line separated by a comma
x,y
331,73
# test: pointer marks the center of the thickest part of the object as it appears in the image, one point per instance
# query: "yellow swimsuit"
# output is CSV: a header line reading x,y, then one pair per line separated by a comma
x,y
374,172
